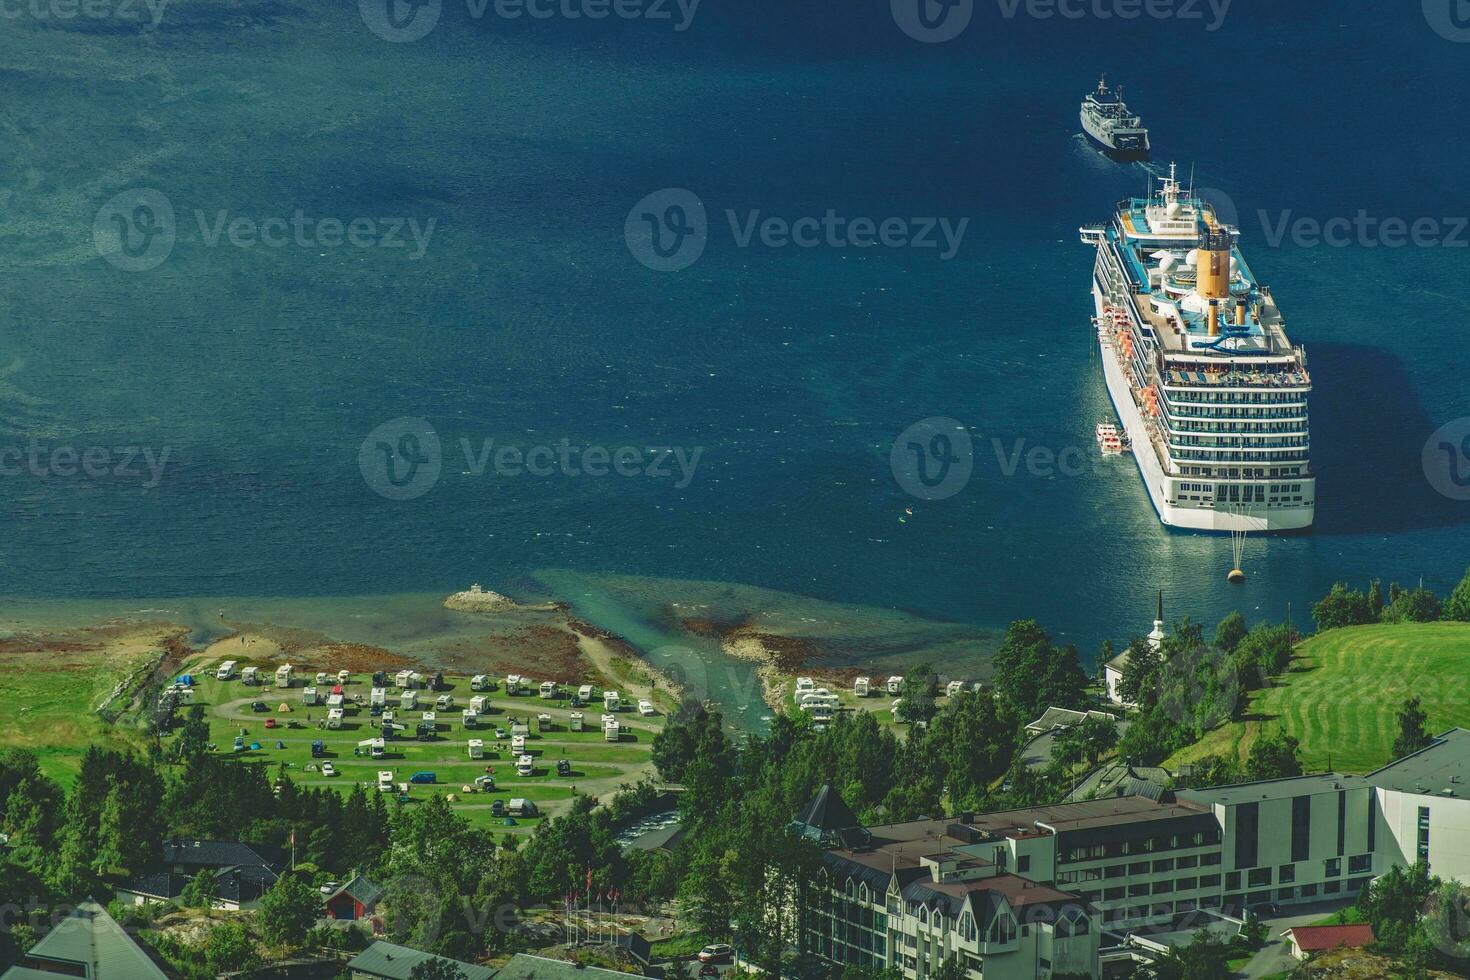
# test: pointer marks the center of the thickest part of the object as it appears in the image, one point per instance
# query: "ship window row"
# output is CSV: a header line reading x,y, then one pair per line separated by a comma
x,y
1248,473
1231,441
1206,414
1286,427
1235,397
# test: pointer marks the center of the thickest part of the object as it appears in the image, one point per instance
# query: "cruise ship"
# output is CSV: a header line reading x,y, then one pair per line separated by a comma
x,y
1211,392
1107,120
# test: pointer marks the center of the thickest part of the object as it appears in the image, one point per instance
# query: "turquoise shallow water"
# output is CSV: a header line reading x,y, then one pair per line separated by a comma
x,y
261,371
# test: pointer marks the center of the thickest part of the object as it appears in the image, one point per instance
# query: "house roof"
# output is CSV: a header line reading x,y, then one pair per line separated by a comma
x,y
1054,717
215,853
1313,939
828,811
1442,768
524,966
90,936
361,890
159,884
396,962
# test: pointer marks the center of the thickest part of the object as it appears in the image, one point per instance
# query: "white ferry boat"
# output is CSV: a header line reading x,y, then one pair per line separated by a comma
x,y
1211,392
1105,118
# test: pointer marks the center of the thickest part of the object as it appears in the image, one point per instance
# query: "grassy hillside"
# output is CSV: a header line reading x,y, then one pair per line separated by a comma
x,y
1343,691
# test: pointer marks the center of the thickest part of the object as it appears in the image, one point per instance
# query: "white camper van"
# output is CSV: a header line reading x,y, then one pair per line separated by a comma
x,y
611,701
862,687
477,748
226,671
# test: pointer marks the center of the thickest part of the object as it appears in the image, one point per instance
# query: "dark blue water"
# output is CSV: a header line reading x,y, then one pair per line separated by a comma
x,y
262,370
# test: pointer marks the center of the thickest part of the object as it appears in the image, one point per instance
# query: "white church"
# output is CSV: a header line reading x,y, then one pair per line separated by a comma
x,y
1113,669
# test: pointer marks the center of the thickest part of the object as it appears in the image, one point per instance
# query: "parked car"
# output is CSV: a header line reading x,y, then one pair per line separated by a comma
x,y
709,970
497,808
500,734
258,706
717,953
423,777
563,767
328,769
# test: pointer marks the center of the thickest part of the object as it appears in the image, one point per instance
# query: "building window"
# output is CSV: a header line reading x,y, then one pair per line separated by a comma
x,y
1258,877
1423,851
1286,874
1185,863
1301,828
1359,863
1309,891
1023,863
1167,864
1209,881
1186,884
1332,867
1232,880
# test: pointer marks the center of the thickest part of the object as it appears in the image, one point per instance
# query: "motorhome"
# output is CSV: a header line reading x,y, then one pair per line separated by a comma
x,y
512,684
645,707
343,676
576,721
444,702
612,731
517,744
283,675
334,718
585,692
525,766
521,808
804,684
478,703
543,722
477,748
309,697
321,679
379,696
408,700
862,687
520,726
611,701
385,780
431,719
548,689
226,671
479,683
469,718
404,678
335,701
894,684
953,688
250,675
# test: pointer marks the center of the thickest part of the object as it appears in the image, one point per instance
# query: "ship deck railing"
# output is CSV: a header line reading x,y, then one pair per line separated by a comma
x,y
1239,379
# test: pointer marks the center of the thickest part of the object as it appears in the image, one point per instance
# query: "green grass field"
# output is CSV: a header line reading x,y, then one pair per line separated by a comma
x,y
50,705
598,766
1343,691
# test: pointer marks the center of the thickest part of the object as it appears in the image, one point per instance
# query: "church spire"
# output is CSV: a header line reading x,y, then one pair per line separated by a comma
x,y
1156,638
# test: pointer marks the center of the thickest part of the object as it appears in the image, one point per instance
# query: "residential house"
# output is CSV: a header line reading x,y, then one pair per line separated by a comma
x,y
87,943
1306,940
389,961
354,900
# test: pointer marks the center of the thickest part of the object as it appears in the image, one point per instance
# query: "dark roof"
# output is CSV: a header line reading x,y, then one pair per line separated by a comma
x,y
244,883
216,853
162,885
828,812
360,889
1274,789
394,962
1441,768
524,966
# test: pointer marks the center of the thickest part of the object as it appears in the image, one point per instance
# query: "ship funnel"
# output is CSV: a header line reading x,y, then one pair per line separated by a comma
x,y
1213,276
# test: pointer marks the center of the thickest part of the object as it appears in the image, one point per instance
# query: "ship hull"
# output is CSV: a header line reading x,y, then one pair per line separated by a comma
x,y
1207,519
1105,143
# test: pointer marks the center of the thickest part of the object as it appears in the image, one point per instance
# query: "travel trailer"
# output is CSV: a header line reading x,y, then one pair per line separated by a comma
x,y
408,700
404,678
862,687
584,693
250,675
379,696
894,683
576,724
611,701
